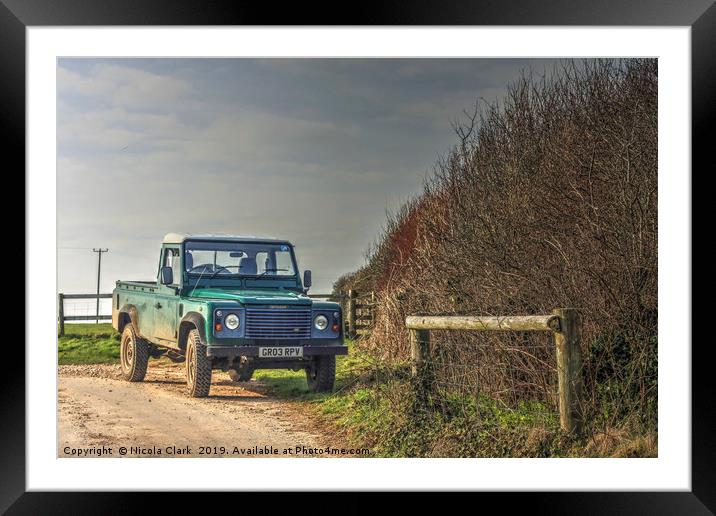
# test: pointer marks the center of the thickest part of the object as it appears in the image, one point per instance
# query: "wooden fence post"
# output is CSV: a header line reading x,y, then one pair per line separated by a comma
x,y
351,314
569,368
419,349
419,354
61,303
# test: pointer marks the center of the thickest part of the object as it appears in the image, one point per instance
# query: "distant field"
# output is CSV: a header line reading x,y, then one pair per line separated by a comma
x,y
88,343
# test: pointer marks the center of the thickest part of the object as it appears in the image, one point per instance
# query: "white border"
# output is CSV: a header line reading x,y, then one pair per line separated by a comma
x,y
670,471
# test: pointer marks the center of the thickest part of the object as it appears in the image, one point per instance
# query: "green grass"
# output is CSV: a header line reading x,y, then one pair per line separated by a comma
x,y
88,344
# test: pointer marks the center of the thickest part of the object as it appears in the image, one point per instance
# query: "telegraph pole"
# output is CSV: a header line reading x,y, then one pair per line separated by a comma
x,y
99,266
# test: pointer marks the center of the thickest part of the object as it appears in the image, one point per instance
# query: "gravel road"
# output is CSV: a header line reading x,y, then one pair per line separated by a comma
x,y
100,411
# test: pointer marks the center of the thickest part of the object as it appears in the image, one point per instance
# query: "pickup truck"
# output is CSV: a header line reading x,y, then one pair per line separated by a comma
x,y
232,303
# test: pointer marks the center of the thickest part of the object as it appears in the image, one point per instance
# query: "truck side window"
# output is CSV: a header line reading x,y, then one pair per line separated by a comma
x,y
171,259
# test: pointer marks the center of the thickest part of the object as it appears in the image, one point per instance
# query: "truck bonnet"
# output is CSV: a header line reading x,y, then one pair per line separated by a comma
x,y
253,297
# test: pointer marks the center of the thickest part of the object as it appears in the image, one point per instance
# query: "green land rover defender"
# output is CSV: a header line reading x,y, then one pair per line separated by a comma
x,y
233,303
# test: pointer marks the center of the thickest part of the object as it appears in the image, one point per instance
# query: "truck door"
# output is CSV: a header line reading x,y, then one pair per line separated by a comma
x,y
166,304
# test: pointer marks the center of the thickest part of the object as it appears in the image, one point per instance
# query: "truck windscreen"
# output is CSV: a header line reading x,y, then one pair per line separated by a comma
x,y
238,259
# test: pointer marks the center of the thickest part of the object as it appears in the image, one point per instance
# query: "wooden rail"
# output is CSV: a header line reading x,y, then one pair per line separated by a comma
x,y
324,296
87,317
86,296
480,323
564,323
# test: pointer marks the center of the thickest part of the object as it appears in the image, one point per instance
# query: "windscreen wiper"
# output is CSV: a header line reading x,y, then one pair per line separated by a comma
x,y
272,270
221,267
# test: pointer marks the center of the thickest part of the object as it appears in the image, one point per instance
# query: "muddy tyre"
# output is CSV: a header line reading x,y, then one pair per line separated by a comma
x,y
241,375
133,355
198,367
321,374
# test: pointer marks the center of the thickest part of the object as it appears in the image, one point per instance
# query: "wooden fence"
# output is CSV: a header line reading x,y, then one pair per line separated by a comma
x,y
360,313
61,317
564,323
358,310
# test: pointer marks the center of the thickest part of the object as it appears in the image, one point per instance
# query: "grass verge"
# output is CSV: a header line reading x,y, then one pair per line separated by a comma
x,y
88,344
373,406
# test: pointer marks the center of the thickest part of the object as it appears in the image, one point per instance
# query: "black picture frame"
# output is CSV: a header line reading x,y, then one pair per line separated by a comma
x,y
17,15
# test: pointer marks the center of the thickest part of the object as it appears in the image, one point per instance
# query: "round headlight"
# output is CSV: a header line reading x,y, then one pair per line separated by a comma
x,y
232,321
320,322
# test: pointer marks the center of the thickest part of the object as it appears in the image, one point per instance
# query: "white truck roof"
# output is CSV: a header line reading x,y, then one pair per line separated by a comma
x,y
178,238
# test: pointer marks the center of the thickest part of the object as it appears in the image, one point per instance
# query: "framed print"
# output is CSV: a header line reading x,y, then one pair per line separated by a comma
x,y
419,249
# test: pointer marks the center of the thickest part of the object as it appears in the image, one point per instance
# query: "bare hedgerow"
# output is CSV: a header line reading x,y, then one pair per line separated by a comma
x,y
547,200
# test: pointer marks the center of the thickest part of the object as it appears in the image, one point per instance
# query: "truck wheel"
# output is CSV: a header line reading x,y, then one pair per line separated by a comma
x,y
321,373
198,366
133,355
241,375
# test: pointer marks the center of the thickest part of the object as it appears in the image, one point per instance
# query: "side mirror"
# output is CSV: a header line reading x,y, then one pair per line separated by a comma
x,y
167,276
307,279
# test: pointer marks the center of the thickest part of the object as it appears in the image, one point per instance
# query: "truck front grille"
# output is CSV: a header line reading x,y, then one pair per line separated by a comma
x,y
278,324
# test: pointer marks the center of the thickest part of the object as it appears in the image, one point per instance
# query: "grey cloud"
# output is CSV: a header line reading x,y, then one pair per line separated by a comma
x,y
311,150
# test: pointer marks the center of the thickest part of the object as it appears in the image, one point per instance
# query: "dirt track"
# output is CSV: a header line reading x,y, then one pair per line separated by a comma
x,y
98,409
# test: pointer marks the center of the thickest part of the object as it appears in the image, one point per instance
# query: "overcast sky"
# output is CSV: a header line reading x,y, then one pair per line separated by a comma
x,y
311,150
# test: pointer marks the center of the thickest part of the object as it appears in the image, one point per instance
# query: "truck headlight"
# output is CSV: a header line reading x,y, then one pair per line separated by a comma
x,y
232,321
320,322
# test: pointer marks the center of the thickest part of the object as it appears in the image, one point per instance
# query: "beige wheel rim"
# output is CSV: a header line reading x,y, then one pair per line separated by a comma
x,y
190,357
127,353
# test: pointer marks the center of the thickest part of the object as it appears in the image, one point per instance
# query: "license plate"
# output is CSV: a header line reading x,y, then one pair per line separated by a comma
x,y
281,351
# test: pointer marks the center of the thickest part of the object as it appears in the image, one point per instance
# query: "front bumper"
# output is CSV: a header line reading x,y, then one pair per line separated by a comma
x,y
253,351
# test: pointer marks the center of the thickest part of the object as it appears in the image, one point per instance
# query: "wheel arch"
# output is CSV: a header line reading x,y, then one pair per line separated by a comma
x,y
128,315
190,321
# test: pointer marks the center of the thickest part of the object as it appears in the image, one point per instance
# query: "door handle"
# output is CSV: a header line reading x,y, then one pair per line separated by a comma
x,y
157,305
